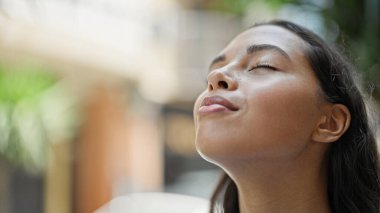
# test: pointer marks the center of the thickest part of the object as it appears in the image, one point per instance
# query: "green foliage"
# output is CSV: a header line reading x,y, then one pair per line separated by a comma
x,y
23,84
229,6
239,7
25,91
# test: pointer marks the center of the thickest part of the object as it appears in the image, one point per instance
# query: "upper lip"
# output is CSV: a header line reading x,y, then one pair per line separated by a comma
x,y
219,100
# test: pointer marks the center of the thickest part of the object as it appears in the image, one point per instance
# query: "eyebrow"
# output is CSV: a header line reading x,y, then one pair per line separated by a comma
x,y
251,49
218,59
260,47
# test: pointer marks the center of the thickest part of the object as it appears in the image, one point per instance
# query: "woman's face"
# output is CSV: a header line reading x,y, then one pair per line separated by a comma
x,y
262,100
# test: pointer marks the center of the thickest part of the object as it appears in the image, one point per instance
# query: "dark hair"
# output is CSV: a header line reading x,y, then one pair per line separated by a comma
x,y
353,161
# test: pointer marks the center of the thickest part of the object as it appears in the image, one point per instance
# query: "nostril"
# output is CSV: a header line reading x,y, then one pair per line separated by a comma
x,y
210,87
223,84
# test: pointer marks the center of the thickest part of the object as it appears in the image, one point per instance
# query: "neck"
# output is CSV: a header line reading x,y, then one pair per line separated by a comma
x,y
293,186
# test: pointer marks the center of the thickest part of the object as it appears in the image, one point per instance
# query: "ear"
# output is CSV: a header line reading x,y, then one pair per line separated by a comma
x,y
333,124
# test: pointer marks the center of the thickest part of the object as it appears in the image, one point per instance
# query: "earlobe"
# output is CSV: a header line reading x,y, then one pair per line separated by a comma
x,y
333,124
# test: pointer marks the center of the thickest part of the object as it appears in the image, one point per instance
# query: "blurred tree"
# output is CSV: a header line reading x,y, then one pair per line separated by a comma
x,y
22,135
25,104
359,23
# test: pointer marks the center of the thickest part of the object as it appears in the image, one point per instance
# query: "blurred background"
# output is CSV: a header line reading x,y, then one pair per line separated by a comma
x,y
96,96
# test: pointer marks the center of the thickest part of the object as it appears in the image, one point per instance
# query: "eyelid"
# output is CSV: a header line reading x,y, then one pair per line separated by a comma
x,y
267,65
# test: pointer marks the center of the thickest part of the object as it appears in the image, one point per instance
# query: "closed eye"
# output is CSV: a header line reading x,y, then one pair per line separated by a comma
x,y
263,66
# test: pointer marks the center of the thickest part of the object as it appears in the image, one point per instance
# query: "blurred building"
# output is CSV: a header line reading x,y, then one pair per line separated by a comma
x,y
133,70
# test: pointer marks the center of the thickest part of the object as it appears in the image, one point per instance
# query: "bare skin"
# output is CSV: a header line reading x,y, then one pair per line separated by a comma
x,y
263,120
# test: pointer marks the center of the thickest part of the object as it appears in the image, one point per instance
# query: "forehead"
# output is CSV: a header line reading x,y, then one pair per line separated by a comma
x,y
268,34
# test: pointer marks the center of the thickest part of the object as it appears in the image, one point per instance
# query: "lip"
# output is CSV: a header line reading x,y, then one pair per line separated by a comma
x,y
216,104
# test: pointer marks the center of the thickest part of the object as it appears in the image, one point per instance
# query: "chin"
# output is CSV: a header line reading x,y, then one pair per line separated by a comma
x,y
215,147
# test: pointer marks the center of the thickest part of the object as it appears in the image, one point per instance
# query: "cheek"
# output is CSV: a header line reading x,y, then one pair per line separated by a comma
x,y
281,117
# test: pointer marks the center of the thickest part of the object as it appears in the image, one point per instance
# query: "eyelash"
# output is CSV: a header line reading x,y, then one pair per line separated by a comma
x,y
263,65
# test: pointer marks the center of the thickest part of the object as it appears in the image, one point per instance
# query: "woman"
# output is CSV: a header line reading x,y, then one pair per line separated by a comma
x,y
284,118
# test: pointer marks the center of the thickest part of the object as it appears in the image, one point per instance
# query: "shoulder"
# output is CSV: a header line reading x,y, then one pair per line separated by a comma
x,y
156,203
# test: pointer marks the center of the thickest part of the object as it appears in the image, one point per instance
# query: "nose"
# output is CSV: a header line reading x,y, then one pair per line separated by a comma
x,y
219,79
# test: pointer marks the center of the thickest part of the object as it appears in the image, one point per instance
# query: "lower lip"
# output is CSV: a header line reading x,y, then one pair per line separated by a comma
x,y
213,108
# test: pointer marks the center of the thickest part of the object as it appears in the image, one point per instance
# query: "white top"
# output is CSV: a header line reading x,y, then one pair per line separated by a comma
x,y
156,203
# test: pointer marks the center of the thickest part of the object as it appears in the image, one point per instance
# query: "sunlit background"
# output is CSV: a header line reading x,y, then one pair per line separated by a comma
x,y
96,95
